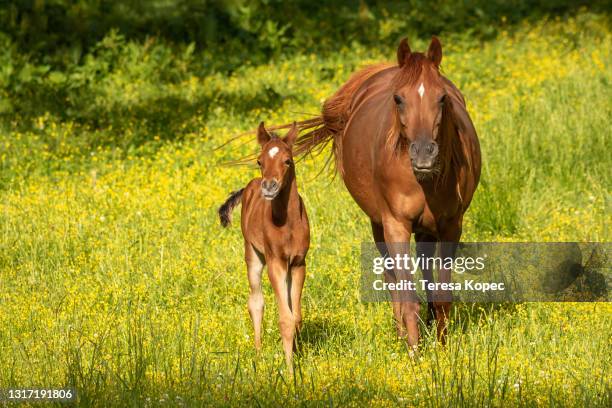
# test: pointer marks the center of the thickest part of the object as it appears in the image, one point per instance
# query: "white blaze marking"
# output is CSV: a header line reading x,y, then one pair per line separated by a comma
x,y
421,90
272,152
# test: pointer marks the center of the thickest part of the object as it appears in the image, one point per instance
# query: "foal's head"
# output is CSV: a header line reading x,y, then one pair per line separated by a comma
x,y
275,160
420,99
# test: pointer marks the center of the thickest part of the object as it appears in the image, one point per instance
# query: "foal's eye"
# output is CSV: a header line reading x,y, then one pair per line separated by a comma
x,y
289,162
258,163
441,100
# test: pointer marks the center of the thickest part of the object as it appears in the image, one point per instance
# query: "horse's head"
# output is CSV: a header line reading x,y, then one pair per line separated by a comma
x,y
275,160
419,96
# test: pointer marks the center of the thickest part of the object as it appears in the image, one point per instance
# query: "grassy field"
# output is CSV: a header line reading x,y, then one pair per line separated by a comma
x,y
116,278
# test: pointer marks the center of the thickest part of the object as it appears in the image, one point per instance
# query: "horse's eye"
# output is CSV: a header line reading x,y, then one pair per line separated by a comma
x,y
398,99
289,162
258,163
442,100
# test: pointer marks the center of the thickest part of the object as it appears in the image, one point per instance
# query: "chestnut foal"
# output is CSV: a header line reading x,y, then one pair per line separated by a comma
x,y
276,232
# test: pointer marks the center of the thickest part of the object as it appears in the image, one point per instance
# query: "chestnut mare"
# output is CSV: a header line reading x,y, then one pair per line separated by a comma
x,y
276,232
409,155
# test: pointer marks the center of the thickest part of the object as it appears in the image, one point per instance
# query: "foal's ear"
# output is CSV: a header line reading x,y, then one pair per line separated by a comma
x,y
434,52
403,52
291,135
263,136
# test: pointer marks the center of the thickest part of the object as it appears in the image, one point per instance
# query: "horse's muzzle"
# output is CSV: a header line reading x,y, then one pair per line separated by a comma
x,y
423,156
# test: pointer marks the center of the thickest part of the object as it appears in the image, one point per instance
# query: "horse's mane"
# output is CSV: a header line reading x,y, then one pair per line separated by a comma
x,y
451,155
334,116
329,126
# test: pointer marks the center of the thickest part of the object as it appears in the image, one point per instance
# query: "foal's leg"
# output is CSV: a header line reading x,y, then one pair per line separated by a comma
x,y
426,248
281,283
255,263
298,274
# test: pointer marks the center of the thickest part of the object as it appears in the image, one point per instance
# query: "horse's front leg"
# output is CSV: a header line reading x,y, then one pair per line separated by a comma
x,y
397,238
426,248
443,298
379,239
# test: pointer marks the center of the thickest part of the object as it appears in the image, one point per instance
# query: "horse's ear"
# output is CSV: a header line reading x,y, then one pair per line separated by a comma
x,y
434,52
291,135
263,136
403,52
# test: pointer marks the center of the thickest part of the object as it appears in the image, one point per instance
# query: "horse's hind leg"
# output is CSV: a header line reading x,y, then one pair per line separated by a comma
x,y
426,248
255,263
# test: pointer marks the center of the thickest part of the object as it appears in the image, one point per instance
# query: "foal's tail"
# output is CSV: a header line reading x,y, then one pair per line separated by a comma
x,y
225,211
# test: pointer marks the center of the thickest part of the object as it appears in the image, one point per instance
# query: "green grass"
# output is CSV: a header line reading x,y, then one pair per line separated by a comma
x,y
116,278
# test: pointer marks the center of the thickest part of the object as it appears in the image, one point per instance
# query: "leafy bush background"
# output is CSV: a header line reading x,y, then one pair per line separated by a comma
x,y
254,30
113,64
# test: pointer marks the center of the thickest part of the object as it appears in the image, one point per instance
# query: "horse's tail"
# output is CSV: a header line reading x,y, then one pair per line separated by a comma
x,y
225,211
329,126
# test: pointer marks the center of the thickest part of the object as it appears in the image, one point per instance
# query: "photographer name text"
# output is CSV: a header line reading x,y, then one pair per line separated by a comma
x,y
423,284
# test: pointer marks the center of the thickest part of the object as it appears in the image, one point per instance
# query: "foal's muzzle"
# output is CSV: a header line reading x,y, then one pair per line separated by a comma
x,y
423,155
270,189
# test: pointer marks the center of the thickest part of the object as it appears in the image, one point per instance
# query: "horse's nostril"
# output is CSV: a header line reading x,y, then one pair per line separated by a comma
x,y
414,150
432,148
